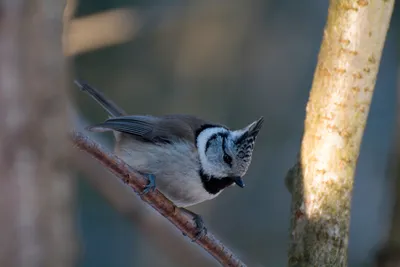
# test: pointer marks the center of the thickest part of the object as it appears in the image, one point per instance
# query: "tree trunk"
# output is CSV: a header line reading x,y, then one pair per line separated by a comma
x,y
322,179
36,191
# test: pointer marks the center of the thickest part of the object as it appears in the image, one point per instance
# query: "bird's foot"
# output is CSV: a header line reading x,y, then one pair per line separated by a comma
x,y
151,185
201,230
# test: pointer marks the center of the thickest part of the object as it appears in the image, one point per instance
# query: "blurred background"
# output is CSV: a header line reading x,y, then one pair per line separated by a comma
x,y
229,62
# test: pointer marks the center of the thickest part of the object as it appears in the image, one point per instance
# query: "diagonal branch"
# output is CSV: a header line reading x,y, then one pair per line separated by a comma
x,y
158,231
156,199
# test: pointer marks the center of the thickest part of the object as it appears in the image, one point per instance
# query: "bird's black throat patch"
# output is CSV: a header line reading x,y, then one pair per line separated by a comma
x,y
214,185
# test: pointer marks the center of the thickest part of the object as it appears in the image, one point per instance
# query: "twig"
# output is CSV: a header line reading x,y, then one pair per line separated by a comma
x,y
156,199
157,231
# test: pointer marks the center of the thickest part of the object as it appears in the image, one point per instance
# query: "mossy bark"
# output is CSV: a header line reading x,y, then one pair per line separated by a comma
x,y
337,112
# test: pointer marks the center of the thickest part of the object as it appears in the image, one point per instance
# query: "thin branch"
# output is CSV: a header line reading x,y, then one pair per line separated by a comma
x,y
156,199
157,231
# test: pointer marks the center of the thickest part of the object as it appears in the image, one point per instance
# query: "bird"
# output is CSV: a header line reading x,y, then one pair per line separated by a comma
x,y
188,159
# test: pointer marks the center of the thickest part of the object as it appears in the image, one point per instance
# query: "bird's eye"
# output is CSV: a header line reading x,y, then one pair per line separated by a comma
x,y
227,159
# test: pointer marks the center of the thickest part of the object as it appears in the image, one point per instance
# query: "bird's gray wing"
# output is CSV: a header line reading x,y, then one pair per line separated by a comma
x,y
156,129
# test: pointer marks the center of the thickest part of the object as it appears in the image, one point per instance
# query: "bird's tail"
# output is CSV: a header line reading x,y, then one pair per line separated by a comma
x,y
107,104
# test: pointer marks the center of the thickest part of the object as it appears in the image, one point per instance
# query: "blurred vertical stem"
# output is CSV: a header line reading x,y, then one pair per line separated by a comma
x,y
36,190
337,112
389,254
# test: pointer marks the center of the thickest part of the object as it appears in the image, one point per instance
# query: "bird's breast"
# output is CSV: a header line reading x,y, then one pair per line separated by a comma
x,y
176,168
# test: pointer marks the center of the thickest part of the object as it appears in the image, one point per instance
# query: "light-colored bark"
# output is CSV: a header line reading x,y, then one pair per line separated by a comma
x,y
36,192
337,112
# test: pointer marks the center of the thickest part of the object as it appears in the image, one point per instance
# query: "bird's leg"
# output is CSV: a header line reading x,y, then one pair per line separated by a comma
x,y
201,229
151,185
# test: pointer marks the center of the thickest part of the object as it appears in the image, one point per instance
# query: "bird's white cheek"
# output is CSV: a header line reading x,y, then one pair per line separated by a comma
x,y
212,169
209,166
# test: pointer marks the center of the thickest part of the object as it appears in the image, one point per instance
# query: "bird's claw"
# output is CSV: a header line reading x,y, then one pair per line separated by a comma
x,y
151,185
201,230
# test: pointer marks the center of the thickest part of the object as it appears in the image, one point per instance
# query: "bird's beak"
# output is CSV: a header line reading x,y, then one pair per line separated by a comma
x,y
238,180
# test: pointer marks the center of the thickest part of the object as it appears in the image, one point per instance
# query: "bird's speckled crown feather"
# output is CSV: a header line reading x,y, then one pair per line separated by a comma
x,y
245,142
